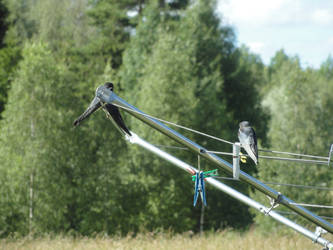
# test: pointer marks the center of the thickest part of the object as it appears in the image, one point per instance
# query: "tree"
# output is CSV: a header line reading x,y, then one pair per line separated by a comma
x,y
180,64
300,123
195,96
23,129
9,56
66,162
3,23
41,153
326,68
164,83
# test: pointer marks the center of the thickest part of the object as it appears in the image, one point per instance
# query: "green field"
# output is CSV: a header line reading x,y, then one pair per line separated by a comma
x,y
220,240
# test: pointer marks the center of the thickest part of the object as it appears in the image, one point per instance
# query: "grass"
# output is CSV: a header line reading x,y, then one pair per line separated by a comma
x,y
227,239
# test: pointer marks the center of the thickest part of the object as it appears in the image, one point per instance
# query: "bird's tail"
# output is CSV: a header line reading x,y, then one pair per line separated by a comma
x,y
94,105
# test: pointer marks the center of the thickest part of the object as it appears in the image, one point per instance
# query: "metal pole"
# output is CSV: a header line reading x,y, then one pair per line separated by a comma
x,y
108,96
232,192
235,160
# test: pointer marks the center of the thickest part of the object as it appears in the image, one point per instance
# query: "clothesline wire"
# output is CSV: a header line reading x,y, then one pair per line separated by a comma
x,y
263,150
269,183
277,158
295,154
217,138
282,184
177,125
292,185
293,213
299,186
260,156
226,153
311,205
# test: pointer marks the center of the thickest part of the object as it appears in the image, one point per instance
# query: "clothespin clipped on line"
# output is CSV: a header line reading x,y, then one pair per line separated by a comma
x,y
206,174
199,187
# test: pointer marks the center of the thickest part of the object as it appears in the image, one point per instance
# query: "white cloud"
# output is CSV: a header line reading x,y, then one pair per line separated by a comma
x,y
256,47
323,16
330,41
300,27
276,12
258,11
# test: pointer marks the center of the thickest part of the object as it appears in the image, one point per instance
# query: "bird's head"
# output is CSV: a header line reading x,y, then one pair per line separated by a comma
x,y
109,85
244,124
94,105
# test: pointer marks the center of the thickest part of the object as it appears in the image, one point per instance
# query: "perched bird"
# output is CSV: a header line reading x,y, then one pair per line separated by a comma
x,y
108,108
248,139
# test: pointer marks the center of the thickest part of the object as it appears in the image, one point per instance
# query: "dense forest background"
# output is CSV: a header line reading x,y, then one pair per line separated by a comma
x,y
174,59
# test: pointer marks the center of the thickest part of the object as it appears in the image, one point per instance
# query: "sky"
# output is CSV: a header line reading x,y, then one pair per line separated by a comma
x,y
300,27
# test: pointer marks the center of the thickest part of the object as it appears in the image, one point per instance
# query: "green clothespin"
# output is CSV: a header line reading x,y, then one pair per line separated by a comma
x,y
206,174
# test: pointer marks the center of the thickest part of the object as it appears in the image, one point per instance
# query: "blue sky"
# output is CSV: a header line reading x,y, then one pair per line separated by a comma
x,y
300,27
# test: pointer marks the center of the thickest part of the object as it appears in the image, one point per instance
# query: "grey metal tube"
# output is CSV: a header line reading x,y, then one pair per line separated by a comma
x,y
230,191
110,97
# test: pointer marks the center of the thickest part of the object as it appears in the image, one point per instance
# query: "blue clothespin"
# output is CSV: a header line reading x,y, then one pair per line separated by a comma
x,y
199,188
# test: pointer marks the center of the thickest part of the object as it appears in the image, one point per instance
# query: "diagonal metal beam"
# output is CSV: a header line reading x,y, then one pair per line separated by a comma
x,y
135,139
108,96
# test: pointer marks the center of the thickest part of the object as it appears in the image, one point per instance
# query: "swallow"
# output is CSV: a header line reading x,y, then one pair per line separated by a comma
x,y
110,110
248,139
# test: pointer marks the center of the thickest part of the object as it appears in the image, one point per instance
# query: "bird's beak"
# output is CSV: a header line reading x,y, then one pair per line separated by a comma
x,y
94,105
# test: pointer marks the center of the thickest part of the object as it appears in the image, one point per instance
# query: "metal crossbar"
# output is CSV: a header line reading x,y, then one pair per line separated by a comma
x,y
260,156
229,142
232,192
108,96
283,184
277,158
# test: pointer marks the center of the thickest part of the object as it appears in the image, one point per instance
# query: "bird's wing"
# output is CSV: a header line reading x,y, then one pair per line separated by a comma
x,y
252,148
248,139
115,114
253,142
251,153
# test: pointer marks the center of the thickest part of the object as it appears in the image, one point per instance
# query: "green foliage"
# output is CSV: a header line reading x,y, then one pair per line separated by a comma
x,y
184,64
3,23
22,26
9,57
299,102
326,69
173,59
24,128
165,84
114,25
116,21
139,49
40,144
